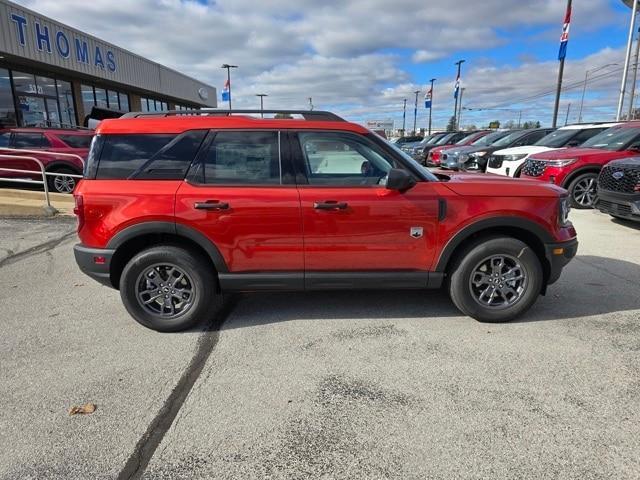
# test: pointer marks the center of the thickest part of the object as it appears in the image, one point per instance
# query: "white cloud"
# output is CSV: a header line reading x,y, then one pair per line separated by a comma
x,y
421,56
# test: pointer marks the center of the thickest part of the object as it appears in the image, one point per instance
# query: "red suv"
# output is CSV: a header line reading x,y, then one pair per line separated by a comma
x,y
577,169
67,141
175,210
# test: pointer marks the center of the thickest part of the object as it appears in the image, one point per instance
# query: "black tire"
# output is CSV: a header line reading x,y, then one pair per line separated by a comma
x,y
578,197
198,275
464,292
62,183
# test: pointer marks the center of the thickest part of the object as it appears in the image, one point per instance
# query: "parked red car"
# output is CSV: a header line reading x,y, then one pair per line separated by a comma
x,y
577,169
65,141
433,157
174,211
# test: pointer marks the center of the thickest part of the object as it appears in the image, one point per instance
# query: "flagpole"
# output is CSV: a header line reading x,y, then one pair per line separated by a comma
x,y
455,107
415,112
556,106
431,104
404,118
229,67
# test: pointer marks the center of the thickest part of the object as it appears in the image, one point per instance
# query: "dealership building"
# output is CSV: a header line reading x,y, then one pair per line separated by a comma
x,y
53,75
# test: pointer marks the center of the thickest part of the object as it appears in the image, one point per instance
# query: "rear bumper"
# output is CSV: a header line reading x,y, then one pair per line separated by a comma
x,y
558,256
625,205
95,262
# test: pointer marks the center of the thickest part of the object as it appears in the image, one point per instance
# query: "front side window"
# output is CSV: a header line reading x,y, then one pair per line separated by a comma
x,y
29,140
332,158
242,158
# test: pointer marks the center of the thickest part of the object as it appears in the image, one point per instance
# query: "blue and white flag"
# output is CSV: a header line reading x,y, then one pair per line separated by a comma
x,y
225,92
456,88
564,38
427,99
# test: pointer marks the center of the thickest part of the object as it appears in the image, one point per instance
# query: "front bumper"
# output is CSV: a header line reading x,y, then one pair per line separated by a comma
x,y
95,262
559,255
624,205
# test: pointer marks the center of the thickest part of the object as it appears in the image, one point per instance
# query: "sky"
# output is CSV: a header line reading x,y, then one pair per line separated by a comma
x,y
361,58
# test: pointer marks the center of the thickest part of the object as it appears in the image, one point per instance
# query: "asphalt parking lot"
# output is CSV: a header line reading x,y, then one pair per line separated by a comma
x,y
326,385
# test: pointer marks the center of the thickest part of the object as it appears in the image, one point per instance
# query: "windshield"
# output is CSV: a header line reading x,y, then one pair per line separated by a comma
x,y
465,139
489,139
445,140
432,139
415,164
508,140
615,138
557,139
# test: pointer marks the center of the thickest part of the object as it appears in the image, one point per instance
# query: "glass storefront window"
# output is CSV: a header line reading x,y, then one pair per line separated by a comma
x,y
113,100
7,107
143,104
124,102
101,97
65,99
46,86
31,111
88,100
25,83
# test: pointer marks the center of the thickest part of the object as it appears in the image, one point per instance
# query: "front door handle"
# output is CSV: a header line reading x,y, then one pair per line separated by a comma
x,y
211,205
330,205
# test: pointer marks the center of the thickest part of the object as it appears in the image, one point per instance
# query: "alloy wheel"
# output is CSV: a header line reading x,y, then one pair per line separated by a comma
x,y
64,184
584,192
498,281
165,290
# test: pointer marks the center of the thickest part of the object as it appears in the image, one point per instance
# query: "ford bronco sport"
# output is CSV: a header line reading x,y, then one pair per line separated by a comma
x,y
174,210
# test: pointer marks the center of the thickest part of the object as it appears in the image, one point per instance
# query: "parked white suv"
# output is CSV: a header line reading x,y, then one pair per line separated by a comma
x,y
510,161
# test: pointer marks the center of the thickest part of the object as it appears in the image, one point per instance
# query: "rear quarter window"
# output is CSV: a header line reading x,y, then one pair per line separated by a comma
x,y
76,141
148,156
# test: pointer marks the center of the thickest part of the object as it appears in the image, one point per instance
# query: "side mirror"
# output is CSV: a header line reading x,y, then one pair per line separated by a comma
x,y
634,147
573,143
400,180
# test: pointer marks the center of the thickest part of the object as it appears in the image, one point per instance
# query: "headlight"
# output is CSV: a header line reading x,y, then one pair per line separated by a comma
x,y
563,214
513,158
463,157
561,163
479,154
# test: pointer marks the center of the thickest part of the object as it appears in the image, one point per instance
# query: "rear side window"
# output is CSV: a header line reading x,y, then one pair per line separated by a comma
x,y
149,156
76,141
29,140
4,139
236,158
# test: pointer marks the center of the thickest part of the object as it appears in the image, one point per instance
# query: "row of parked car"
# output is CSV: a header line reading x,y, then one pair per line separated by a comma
x,y
595,162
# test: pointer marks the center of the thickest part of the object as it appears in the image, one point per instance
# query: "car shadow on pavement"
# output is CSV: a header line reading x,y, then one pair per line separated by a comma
x,y
590,285
626,223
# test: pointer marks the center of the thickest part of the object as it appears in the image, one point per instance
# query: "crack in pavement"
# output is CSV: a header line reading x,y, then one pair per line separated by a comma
x,y
161,423
41,248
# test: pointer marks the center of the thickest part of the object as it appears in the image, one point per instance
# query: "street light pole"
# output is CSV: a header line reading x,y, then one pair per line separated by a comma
x,y
431,105
261,95
584,87
404,117
625,72
460,109
229,67
635,77
310,103
415,112
455,107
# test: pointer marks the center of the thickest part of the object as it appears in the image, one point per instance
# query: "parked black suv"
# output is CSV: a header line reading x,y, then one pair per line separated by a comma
x,y
619,189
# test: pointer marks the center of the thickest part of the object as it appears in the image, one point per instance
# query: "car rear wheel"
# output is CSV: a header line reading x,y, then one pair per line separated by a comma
x,y
583,191
495,279
169,288
62,183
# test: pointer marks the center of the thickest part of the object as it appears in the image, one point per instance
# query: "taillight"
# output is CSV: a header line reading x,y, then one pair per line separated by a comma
x,y
435,155
79,211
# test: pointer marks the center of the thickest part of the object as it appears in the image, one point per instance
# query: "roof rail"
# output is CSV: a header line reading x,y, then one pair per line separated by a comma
x,y
318,115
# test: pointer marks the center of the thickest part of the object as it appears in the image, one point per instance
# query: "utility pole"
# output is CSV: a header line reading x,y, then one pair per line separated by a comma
x,y
460,109
415,112
561,56
311,103
404,117
456,92
229,67
635,77
261,95
584,87
519,117
625,72
566,119
431,104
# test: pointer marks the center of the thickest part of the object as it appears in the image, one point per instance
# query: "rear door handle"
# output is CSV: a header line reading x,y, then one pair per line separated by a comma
x,y
330,205
211,205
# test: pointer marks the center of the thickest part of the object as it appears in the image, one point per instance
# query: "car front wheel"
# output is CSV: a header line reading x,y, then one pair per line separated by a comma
x,y
495,279
62,183
583,191
168,289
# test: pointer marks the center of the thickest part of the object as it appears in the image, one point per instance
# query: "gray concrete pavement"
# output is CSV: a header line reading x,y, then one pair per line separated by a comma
x,y
326,385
